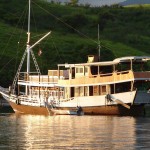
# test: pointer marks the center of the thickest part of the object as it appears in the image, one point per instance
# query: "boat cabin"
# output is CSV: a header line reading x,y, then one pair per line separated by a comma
x,y
94,78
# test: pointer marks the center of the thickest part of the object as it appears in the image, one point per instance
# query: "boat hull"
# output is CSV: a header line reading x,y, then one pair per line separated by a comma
x,y
111,109
135,110
25,109
6,109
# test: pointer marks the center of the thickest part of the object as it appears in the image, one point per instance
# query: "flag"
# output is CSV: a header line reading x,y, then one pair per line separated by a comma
x,y
39,52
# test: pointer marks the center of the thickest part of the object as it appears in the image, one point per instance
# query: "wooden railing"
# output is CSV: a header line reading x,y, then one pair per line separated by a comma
x,y
102,78
33,79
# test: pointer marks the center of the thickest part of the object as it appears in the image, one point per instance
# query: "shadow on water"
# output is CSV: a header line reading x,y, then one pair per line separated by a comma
x,y
6,109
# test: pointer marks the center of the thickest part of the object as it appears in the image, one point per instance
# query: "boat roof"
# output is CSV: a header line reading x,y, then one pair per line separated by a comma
x,y
133,58
108,63
105,63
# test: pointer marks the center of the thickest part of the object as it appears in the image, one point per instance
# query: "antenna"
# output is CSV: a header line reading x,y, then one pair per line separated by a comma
x,y
99,46
28,40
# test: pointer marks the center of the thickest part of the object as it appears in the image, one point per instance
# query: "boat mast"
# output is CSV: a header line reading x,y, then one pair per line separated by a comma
x,y
28,40
99,46
28,46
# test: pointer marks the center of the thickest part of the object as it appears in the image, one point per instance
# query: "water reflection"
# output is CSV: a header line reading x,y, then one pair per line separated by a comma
x,y
72,132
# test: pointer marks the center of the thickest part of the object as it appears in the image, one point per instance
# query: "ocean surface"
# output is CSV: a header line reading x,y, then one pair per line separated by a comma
x,y
26,132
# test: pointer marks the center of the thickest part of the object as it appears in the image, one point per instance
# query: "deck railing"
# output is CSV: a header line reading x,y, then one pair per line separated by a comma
x,y
36,78
102,78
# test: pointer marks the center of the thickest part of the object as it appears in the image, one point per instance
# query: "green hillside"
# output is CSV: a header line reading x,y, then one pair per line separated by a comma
x,y
123,32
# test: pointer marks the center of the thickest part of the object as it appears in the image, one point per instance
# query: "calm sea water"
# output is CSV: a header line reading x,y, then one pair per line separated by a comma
x,y
25,132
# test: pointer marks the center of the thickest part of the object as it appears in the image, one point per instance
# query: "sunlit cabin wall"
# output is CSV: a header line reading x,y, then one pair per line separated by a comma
x,y
74,73
101,90
79,91
55,72
67,92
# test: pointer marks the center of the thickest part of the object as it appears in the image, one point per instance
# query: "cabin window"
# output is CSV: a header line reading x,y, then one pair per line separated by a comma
x,y
106,69
81,70
77,70
123,67
73,73
112,88
90,90
103,90
123,87
94,70
72,91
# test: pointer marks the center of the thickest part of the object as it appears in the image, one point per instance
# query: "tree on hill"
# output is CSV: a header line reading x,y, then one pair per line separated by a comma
x,y
73,2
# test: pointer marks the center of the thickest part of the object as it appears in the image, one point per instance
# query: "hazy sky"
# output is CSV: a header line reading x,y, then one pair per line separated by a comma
x,y
93,2
101,2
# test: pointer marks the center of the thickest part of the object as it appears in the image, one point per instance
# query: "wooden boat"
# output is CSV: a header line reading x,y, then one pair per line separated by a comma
x,y
93,88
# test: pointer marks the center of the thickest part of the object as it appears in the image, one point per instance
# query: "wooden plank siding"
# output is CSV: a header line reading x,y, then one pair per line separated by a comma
x,y
44,79
142,75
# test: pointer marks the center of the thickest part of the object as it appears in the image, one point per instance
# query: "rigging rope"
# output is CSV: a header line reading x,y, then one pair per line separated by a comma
x,y
80,33
11,36
7,64
57,50
24,14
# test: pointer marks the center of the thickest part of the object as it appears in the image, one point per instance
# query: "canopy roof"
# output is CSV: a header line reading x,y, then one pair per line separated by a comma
x,y
109,63
105,63
133,58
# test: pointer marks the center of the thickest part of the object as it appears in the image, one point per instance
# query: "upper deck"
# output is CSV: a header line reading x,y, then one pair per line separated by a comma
x,y
101,79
